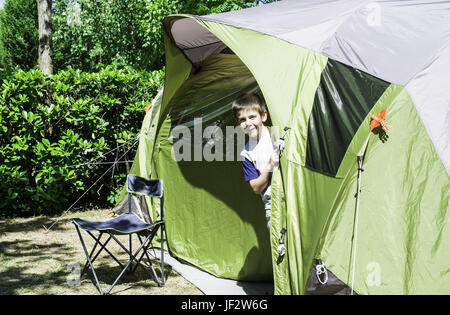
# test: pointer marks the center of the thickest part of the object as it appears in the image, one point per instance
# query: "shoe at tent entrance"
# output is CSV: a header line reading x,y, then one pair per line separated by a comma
x,y
357,208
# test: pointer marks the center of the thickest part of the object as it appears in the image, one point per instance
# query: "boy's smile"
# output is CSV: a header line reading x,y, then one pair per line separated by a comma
x,y
252,122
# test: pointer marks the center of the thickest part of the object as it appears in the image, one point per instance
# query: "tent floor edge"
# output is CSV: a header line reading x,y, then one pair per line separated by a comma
x,y
323,282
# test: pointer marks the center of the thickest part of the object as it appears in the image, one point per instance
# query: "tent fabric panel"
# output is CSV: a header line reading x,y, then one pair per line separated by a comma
x,y
391,40
142,160
196,42
178,69
408,45
282,18
343,99
431,98
286,74
208,94
401,42
280,263
403,241
309,198
147,138
301,201
359,141
397,41
214,222
186,34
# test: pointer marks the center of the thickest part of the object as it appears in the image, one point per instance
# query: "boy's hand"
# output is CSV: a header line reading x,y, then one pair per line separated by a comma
x,y
259,184
274,160
279,144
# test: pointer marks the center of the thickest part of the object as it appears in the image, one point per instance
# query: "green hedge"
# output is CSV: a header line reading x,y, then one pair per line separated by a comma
x,y
51,125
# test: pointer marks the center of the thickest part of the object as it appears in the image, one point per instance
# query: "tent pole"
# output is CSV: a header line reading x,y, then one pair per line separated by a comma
x,y
280,146
355,223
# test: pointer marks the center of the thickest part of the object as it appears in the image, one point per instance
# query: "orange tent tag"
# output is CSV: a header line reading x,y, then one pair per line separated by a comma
x,y
378,120
148,108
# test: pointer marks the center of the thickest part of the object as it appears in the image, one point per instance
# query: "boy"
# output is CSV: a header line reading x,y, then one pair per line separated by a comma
x,y
258,157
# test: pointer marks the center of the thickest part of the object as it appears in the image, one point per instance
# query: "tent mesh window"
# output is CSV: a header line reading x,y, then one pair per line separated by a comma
x,y
343,99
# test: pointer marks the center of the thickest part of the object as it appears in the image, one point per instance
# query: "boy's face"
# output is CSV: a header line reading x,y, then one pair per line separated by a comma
x,y
252,122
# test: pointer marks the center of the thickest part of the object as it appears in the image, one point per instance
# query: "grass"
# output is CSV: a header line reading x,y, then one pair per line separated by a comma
x,y
35,261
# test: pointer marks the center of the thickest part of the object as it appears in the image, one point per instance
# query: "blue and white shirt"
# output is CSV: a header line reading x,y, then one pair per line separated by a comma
x,y
255,157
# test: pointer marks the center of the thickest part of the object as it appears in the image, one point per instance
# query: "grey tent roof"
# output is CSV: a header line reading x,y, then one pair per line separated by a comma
x,y
402,42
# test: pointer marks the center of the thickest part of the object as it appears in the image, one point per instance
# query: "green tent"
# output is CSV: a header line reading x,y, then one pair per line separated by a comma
x,y
357,210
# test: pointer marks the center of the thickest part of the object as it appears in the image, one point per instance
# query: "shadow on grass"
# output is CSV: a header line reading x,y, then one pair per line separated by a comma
x,y
140,280
31,225
36,261
29,258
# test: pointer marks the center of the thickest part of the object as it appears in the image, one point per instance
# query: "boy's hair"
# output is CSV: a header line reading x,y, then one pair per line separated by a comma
x,y
248,101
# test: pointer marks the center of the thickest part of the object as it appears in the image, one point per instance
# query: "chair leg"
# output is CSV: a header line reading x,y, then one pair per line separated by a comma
x,y
86,265
161,259
145,252
102,247
132,257
163,279
89,260
130,271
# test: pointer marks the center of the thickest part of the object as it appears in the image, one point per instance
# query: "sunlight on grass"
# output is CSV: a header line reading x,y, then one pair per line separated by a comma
x,y
39,262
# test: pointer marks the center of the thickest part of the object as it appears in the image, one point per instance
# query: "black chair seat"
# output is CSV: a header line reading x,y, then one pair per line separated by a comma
x,y
125,223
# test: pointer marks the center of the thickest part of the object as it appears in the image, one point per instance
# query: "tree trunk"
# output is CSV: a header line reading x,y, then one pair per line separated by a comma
x,y
45,35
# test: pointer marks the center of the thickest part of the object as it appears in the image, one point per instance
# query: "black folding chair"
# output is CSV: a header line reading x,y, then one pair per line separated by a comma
x,y
127,224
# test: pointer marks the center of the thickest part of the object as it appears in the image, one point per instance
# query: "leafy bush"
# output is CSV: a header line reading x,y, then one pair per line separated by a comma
x,y
89,32
50,127
18,35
